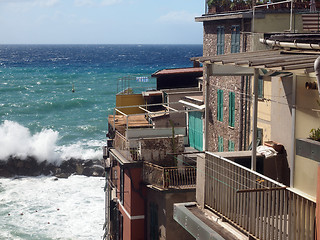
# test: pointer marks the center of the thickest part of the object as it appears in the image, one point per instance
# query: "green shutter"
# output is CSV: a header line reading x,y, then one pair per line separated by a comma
x,y
235,39
231,109
220,40
195,130
230,146
220,105
220,144
260,87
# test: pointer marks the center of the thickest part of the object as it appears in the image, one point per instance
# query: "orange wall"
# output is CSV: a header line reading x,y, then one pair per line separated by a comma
x,y
133,203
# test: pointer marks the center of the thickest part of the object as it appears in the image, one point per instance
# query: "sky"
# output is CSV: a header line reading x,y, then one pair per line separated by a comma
x,y
100,21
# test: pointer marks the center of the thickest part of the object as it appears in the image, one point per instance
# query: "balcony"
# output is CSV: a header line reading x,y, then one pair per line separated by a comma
x,y
127,148
169,177
261,207
225,6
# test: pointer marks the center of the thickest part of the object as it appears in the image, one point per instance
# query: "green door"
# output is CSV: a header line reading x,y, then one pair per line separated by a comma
x,y
195,130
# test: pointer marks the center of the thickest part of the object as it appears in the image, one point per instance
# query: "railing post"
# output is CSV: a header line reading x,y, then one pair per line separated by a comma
x,y
164,178
255,120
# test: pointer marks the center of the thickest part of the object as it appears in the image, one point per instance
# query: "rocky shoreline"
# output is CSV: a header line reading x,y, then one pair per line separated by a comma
x,y
31,167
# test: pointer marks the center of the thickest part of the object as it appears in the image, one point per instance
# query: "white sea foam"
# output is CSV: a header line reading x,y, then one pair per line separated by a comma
x,y
16,140
40,208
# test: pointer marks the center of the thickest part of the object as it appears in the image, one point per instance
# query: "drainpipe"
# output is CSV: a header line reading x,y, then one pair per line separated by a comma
x,y
206,125
293,130
255,120
275,43
317,71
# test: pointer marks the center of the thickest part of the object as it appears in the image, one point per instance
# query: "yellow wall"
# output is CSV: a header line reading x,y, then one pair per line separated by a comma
x,y
264,111
130,100
305,177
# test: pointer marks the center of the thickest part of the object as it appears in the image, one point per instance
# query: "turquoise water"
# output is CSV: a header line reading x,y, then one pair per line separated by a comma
x,y
40,115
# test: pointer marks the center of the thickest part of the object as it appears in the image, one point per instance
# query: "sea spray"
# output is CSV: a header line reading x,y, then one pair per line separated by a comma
x,y
17,141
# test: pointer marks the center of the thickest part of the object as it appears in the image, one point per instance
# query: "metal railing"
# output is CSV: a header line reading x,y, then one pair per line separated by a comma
x,y
169,177
272,5
263,208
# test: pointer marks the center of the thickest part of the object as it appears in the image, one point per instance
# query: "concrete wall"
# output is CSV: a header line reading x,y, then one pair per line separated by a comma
x,y
201,176
305,175
154,132
277,22
168,227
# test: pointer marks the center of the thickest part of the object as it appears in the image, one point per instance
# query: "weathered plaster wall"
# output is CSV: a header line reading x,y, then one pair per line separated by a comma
x,y
155,150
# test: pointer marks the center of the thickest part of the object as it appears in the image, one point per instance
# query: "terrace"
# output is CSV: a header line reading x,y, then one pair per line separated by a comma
x,y
253,203
225,6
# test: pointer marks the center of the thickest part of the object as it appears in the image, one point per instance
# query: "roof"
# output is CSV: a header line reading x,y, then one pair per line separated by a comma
x,y
276,60
133,121
177,71
196,102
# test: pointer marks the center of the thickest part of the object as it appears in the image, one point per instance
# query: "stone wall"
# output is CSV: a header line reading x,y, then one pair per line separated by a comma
x,y
235,84
155,150
210,36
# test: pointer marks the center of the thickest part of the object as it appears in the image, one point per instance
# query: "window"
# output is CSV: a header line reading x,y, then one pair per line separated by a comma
x,y
120,226
259,136
235,39
260,87
230,146
153,208
220,105
220,144
220,40
231,108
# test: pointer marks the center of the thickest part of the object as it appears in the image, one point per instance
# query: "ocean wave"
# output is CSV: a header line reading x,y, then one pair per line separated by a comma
x,y
17,141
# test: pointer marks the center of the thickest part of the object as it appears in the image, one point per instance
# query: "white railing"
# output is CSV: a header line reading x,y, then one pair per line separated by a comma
x,y
263,208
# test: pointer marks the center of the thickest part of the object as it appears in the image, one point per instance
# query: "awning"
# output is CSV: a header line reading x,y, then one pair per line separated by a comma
x,y
271,62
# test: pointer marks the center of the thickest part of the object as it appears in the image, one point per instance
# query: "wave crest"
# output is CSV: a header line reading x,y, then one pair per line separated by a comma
x,y
16,140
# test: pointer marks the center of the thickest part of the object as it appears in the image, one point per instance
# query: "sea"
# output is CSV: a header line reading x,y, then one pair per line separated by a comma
x,y
54,104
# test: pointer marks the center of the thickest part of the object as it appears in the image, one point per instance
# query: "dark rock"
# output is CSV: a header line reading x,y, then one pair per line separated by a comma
x,y
31,167
63,175
88,163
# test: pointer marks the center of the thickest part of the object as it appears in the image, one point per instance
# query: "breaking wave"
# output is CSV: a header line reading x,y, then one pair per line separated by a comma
x,y
17,141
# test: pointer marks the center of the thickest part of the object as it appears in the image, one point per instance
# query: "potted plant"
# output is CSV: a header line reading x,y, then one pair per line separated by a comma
x,y
315,134
212,6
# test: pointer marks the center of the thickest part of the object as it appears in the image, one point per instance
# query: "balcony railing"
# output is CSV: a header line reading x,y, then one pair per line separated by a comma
x,y
169,177
218,6
263,208
127,148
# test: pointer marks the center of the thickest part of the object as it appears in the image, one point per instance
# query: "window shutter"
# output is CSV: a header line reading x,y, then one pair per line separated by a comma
x,y
230,145
220,105
231,109
220,144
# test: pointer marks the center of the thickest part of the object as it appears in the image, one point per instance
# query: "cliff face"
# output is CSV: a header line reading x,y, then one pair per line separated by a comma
x,y
31,167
